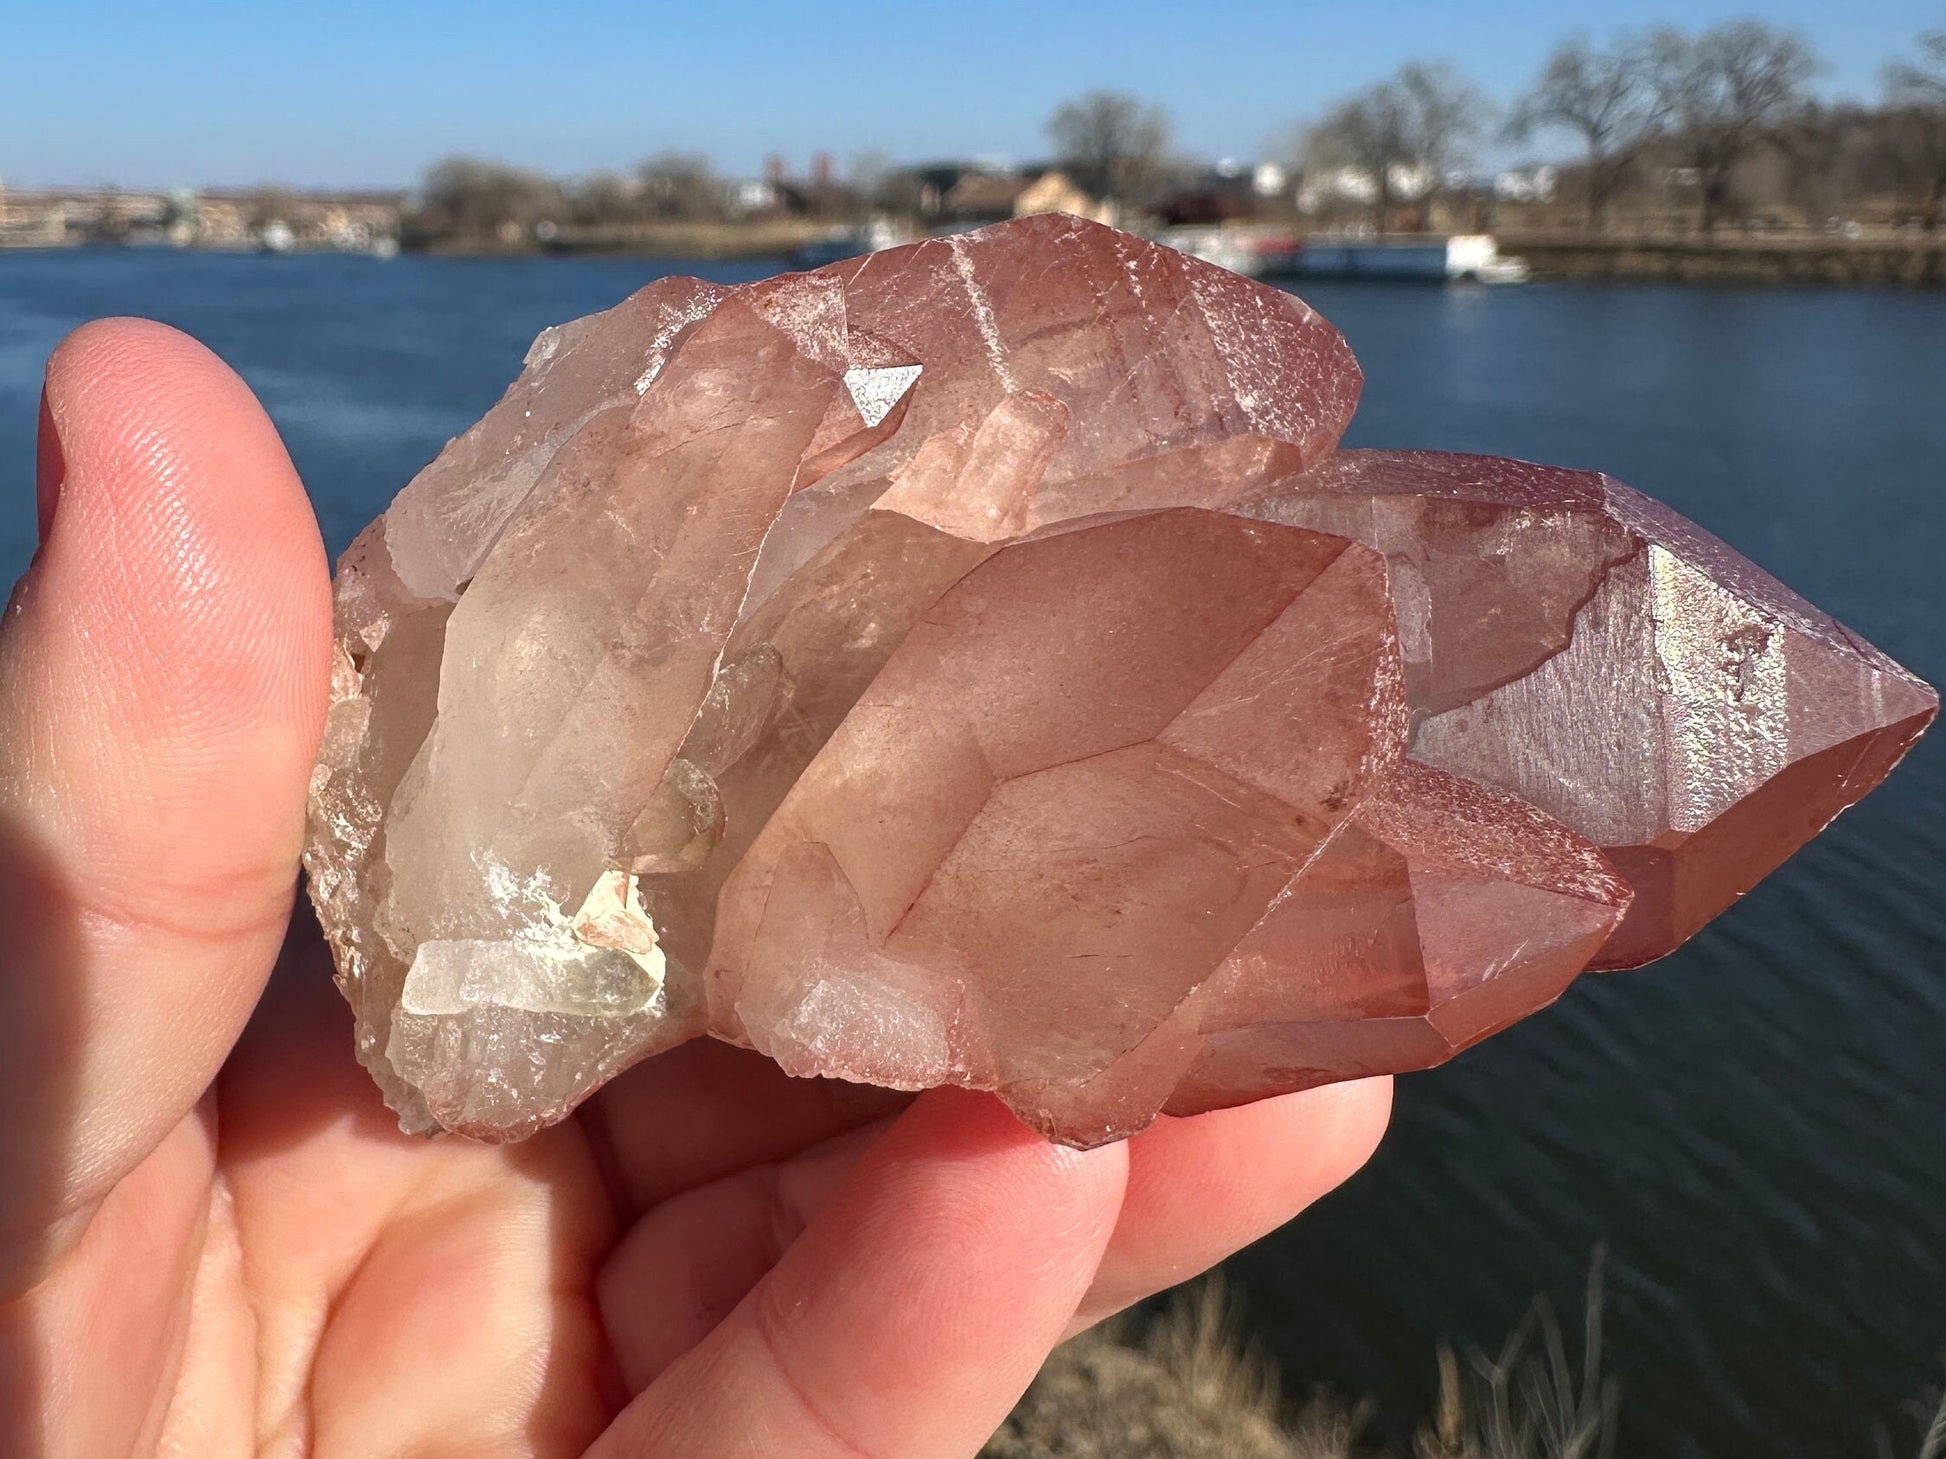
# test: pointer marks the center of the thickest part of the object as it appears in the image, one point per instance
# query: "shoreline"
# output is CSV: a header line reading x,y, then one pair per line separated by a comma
x,y
1915,261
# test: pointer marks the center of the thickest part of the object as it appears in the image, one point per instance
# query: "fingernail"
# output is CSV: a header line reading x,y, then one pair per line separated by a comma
x,y
50,469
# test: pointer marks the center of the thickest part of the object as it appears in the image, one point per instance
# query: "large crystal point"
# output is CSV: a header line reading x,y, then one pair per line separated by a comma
x,y
1580,646
974,664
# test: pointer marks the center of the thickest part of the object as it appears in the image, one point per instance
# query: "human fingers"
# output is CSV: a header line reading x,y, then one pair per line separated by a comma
x,y
163,674
1204,1187
1198,1190
913,1310
685,1265
707,1110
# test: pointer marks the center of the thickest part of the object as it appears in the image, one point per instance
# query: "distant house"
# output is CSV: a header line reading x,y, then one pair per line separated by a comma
x,y
1055,192
968,194
1199,207
982,197
1224,193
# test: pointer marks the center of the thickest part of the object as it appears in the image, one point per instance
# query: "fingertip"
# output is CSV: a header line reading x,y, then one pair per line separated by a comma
x,y
1203,1187
181,578
151,439
957,1177
1068,1198
123,347
1261,1162
1344,1122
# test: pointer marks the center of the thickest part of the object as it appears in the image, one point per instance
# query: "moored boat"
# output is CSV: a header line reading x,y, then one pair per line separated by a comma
x,y
1434,258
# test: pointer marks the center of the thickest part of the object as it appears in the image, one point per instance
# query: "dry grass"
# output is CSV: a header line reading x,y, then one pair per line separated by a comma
x,y
1931,1416
1532,1401
1185,1387
1188,1386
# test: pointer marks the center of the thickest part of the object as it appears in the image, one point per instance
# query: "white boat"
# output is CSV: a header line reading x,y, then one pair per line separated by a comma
x,y
1504,271
1225,247
1434,258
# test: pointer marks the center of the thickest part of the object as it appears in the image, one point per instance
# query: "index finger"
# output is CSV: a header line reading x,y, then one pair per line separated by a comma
x,y
913,1311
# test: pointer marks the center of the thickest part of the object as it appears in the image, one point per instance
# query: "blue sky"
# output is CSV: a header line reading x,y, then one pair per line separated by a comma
x,y
366,93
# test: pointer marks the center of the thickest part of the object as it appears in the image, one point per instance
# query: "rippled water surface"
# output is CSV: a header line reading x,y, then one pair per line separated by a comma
x,y
1753,1127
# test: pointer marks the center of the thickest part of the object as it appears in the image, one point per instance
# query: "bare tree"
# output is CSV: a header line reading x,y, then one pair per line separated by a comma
x,y
1608,97
1830,154
1915,94
465,198
867,170
1370,134
1726,92
1445,115
680,185
1423,119
605,200
1111,142
268,203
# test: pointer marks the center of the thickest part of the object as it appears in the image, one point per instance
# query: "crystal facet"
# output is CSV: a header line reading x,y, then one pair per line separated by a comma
x,y
975,664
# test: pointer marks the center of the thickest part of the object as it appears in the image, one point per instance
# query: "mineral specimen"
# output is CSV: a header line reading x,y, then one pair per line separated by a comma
x,y
974,664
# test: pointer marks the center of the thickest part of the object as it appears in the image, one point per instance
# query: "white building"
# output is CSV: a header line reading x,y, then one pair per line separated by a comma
x,y
1405,182
1534,184
751,194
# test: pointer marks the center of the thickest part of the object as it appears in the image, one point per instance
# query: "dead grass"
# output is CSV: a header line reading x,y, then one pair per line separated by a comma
x,y
1185,1386
1533,1400
1188,1385
1930,1414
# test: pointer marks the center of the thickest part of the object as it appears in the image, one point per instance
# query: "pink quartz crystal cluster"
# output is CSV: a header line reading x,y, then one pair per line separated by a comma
x,y
975,664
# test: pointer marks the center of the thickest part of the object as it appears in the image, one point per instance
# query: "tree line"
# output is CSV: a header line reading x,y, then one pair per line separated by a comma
x,y
1701,106
1725,116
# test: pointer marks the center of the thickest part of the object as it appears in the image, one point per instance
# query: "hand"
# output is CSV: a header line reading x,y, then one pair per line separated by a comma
x,y
213,1240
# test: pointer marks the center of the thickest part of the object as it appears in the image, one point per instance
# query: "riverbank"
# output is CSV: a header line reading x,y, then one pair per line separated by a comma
x,y
1907,261
1184,1382
1914,261
769,238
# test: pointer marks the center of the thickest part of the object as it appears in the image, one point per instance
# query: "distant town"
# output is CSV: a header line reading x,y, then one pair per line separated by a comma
x,y
1675,153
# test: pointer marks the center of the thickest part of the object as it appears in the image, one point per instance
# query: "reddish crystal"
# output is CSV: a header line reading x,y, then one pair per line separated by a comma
x,y
975,664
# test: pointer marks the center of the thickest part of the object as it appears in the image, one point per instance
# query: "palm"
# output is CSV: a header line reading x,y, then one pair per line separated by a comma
x,y
481,1293
213,1239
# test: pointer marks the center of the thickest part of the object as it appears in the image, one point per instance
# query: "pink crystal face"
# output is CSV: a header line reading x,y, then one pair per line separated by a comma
x,y
976,664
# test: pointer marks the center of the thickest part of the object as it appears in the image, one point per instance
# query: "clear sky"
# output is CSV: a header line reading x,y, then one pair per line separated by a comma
x,y
359,92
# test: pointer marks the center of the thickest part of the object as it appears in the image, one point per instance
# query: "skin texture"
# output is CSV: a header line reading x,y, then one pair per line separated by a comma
x,y
214,1242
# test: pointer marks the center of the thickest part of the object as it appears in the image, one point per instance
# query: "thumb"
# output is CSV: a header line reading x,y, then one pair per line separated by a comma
x,y
163,673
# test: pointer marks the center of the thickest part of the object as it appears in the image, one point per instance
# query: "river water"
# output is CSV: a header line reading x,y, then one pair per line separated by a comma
x,y
1753,1127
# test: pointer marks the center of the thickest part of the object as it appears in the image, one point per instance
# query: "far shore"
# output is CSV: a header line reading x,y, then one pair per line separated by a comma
x,y
779,238
1884,258
1911,260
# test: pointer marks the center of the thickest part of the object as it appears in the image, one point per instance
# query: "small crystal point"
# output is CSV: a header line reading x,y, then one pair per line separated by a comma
x,y
975,664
